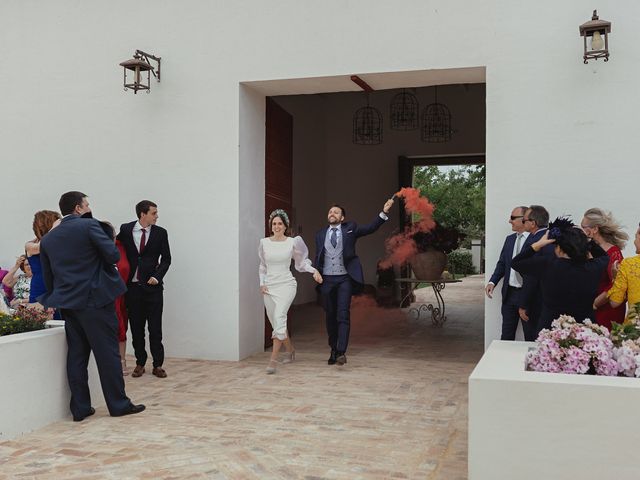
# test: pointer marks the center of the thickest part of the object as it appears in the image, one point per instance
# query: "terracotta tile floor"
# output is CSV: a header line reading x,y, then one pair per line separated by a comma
x,y
397,410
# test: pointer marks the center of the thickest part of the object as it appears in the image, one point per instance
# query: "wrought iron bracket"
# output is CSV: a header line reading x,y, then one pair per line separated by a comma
x,y
146,56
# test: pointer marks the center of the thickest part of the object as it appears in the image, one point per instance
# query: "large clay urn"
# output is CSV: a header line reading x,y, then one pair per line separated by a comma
x,y
429,265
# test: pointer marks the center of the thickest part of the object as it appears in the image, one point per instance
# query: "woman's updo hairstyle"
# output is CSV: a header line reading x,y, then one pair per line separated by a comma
x,y
571,239
282,215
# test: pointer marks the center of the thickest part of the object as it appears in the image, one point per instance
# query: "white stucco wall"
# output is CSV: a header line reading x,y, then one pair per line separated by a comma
x,y
559,133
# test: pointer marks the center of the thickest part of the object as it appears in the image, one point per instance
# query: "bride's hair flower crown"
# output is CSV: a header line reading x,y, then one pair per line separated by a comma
x,y
279,213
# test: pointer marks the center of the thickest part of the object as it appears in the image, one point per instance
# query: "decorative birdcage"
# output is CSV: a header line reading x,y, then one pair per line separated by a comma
x,y
404,111
367,126
436,122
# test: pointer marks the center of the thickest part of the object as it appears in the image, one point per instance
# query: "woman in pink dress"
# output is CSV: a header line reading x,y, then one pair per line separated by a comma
x,y
601,227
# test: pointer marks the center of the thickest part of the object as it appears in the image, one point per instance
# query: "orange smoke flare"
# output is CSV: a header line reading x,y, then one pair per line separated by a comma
x,y
401,247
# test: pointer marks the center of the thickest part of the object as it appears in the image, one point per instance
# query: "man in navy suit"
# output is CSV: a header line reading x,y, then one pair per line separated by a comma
x,y
512,281
78,265
342,273
536,221
147,247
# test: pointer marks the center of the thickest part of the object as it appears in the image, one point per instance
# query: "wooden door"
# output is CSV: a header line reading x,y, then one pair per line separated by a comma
x,y
278,173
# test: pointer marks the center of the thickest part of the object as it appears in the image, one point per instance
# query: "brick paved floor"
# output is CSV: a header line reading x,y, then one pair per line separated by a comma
x,y
398,409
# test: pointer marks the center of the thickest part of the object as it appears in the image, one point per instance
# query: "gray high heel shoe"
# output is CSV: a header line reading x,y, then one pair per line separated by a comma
x,y
289,357
271,368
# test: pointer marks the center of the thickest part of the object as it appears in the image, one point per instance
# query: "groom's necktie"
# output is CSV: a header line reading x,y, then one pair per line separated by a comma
x,y
334,237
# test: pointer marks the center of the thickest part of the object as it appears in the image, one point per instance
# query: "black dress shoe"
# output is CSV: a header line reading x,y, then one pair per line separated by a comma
x,y
332,358
341,359
131,410
91,412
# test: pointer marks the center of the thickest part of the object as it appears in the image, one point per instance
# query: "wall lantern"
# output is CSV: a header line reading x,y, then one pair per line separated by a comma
x,y
598,32
138,65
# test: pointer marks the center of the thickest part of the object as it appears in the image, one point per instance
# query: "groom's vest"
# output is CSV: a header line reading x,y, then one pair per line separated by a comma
x,y
333,262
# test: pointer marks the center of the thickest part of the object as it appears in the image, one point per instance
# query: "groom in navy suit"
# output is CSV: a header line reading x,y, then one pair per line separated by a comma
x,y
78,265
512,281
342,273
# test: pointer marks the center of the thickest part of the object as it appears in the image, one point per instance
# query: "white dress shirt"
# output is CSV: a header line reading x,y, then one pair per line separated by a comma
x,y
515,279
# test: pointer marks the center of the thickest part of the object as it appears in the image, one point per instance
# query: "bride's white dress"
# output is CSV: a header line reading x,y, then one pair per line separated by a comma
x,y
275,274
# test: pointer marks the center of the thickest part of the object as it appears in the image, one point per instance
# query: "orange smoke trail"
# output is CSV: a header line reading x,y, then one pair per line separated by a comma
x,y
401,247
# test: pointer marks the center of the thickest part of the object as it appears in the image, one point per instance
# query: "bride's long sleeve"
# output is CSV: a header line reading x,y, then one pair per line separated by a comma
x,y
301,256
262,270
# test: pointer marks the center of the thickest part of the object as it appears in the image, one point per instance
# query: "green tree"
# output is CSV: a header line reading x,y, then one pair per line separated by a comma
x,y
458,194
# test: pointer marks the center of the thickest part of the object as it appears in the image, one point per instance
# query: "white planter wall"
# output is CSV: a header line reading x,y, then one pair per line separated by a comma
x,y
533,425
35,391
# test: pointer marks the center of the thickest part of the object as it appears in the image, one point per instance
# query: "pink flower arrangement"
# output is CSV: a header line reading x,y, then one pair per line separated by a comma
x,y
626,338
572,347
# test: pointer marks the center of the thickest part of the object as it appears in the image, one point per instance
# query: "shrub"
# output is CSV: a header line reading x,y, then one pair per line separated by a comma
x,y
460,262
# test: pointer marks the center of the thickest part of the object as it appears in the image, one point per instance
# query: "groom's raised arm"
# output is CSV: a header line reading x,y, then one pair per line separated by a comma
x,y
382,217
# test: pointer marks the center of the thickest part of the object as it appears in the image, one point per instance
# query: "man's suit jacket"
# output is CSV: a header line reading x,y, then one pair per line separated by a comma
x,y
155,259
531,292
78,265
503,267
350,233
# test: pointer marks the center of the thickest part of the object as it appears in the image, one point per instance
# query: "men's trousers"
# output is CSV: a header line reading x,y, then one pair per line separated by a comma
x,y
87,330
511,317
145,308
336,293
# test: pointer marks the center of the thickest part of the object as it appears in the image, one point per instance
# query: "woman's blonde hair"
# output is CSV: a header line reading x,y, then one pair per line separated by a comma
x,y
609,229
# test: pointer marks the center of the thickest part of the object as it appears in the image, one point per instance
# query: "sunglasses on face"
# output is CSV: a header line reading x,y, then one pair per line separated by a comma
x,y
514,217
526,220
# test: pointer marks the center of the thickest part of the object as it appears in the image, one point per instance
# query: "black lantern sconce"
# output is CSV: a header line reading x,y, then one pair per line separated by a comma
x,y
139,64
404,111
598,32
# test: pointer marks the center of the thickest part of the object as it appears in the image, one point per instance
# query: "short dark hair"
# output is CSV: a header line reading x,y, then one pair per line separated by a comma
x,y
144,206
539,215
574,243
69,201
108,228
335,205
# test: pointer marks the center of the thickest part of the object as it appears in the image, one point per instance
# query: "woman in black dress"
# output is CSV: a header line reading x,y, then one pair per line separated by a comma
x,y
569,280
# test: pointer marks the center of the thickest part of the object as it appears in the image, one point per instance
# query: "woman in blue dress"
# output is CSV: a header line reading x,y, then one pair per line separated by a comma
x,y
43,221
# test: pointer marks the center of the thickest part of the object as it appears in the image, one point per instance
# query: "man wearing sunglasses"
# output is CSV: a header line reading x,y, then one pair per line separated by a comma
x,y
511,280
536,221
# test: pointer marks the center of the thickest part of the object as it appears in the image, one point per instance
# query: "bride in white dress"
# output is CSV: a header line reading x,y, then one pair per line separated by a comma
x,y
277,284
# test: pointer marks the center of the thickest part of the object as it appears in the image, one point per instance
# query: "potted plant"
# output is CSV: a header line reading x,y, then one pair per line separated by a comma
x,y
433,247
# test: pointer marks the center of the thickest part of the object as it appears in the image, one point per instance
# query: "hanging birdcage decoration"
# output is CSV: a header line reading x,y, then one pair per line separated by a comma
x,y
404,111
436,122
367,126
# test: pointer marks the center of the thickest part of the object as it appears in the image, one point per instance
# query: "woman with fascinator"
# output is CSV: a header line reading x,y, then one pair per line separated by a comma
x,y
569,280
277,284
